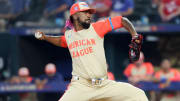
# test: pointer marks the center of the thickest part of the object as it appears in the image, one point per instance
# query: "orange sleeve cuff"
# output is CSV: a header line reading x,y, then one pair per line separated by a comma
x,y
116,22
63,42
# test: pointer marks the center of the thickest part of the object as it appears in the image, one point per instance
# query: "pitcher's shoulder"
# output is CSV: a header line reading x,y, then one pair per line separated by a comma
x,y
68,32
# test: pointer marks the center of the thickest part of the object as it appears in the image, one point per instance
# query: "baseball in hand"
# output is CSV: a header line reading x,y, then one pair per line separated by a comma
x,y
38,35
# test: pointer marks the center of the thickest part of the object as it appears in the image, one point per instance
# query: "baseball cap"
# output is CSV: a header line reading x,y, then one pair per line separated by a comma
x,y
80,6
23,71
50,68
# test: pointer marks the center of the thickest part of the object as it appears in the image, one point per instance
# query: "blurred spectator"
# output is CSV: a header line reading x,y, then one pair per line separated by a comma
x,y
55,9
52,78
24,77
19,10
165,75
155,3
122,7
5,8
103,8
169,11
139,71
19,6
5,13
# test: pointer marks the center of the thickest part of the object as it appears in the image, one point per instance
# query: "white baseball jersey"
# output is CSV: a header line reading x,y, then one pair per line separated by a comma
x,y
87,48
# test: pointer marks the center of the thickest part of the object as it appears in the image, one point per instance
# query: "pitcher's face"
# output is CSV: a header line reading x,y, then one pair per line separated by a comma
x,y
84,18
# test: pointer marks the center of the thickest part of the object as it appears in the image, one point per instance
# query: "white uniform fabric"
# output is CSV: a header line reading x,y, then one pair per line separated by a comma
x,y
87,52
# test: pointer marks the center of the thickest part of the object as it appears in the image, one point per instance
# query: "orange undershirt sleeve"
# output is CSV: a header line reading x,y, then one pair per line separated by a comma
x,y
107,25
63,42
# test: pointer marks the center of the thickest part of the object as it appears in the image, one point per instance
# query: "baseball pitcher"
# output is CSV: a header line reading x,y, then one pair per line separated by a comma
x,y
85,43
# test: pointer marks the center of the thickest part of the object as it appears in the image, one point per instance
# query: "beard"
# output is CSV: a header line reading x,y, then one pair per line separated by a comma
x,y
85,25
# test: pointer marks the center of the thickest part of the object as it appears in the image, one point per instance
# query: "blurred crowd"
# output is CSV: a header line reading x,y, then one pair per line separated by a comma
x,y
50,77
22,13
139,71
164,75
